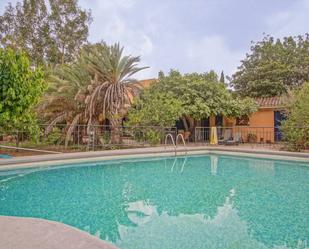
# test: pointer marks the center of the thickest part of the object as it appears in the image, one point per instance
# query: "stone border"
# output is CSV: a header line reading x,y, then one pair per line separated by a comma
x,y
26,233
92,156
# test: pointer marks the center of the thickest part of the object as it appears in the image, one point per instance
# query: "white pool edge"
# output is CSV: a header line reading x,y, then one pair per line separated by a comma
x,y
83,157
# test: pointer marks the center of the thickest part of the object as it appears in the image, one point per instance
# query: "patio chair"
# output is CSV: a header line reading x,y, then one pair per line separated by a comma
x,y
227,135
236,140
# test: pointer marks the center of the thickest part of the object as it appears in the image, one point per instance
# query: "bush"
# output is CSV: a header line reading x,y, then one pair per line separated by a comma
x,y
148,135
153,137
296,128
54,137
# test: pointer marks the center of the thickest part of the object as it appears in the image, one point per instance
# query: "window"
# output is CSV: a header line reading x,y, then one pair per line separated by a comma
x,y
241,121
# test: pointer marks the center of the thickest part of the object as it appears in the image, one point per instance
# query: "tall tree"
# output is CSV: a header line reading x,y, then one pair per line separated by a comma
x,y
97,86
193,96
273,67
20,88
222,77
52,36
113,86
69,29
26,27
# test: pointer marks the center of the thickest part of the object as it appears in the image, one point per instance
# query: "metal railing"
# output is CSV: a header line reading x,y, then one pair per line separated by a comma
x,y
264,136
83,137
183,141
103,137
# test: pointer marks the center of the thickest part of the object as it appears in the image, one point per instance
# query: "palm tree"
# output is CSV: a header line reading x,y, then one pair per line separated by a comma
x,y
95,87
65,98
112,88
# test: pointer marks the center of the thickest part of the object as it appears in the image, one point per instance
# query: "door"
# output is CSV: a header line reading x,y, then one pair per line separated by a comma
x,y
205,129
278,118
219,124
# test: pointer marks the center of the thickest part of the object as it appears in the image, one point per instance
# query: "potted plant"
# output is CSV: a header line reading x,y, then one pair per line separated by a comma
x,y
252,138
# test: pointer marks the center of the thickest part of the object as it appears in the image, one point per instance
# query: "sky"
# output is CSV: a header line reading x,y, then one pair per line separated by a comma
x,y
192,35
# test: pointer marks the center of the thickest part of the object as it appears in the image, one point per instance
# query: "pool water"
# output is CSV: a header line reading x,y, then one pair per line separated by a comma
x,y
184,202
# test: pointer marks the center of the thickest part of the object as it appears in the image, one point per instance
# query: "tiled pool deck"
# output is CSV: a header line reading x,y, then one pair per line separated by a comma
x,y
28,233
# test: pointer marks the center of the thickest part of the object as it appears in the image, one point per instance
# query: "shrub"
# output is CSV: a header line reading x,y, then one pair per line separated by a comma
x,y
54,137
296,128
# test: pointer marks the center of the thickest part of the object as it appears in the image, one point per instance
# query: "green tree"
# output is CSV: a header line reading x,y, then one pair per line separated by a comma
x,y
26,27
64,100
273,67
222,77
69,29
296,128
65,96
20,88
50,37
197,95
113,87
97,86
154,108
151,113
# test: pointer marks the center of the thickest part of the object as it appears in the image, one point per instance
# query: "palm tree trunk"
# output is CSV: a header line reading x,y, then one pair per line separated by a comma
x,y
116,131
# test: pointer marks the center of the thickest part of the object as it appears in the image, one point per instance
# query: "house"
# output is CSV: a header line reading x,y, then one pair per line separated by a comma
x,y
261,126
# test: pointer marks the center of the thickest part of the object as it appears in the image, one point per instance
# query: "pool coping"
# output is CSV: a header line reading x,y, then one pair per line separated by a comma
x,y
92,156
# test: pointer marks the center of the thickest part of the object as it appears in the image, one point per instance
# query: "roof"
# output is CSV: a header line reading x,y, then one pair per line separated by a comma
x,y
146,83
143,84
271,102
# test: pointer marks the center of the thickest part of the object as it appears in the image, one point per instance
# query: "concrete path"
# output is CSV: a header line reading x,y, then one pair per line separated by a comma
x,y
30,233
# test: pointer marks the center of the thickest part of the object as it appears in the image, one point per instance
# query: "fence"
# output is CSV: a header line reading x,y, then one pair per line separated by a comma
x,y
241,135
99,137
83,137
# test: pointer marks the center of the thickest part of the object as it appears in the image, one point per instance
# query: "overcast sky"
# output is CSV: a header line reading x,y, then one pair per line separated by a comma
x,y
192,35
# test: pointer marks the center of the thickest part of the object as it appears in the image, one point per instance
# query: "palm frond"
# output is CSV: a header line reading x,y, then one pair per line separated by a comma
x,y
71,128
53,122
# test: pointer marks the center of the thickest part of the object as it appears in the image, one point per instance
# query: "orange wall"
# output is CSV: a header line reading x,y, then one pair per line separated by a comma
x,y
262,118
261,124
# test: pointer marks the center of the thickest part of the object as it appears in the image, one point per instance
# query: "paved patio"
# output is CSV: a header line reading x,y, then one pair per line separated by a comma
x,y
29,233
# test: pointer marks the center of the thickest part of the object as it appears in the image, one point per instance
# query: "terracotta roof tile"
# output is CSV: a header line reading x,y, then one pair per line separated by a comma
x,y
277,101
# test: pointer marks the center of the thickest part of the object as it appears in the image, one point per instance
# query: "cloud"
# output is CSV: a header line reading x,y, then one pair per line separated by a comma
x,y
212,52
292,21
111,25
192,36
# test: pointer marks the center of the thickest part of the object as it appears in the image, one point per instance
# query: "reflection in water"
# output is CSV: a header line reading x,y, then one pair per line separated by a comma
x,y
224,230
170,203
178,162
214,164
266,166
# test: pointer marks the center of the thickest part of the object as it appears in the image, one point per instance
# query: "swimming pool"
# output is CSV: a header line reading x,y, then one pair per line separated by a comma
x,y
204,201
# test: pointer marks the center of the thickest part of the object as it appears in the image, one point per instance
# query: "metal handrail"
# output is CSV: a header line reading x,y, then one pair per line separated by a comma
x,y
172,139
183,141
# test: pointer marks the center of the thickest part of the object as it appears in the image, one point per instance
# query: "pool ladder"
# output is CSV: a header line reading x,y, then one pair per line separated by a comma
x,y
175,144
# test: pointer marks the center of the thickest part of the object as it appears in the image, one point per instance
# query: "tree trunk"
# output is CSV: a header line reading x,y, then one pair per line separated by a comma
x,y
184,120
116,131
191,124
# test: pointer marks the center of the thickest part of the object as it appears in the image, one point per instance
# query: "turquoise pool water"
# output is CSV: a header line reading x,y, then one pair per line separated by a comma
x,y
162,203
